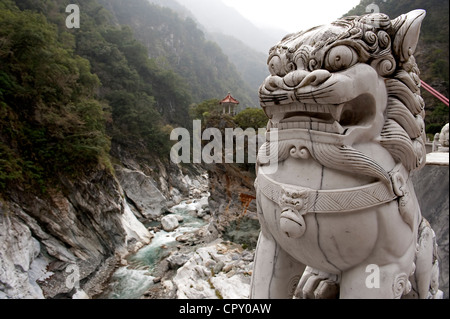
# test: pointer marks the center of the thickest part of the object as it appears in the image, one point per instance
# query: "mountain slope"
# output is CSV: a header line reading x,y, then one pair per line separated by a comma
x,y
66,97
61,208
215,16
248,60
250,63
179,46
69,94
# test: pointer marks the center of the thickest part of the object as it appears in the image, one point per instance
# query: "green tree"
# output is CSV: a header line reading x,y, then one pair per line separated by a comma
x,y
205,109
438,118
50,121
251,118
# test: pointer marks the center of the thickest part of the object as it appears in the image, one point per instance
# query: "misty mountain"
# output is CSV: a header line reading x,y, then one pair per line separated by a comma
x,y
175,6
215,16
250,63
177,44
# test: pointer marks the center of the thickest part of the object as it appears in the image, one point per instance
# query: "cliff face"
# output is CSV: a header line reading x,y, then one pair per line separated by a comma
x,y
67,243
67,239
66,114
232,203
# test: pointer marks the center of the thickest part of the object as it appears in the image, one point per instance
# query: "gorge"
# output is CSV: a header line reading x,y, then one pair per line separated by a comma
x,y
85,170
39,262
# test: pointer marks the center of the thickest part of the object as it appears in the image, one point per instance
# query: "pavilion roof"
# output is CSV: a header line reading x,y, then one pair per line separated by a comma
x,y
229,99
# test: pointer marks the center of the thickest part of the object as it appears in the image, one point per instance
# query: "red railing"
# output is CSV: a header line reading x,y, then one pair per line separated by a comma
x,y
435,93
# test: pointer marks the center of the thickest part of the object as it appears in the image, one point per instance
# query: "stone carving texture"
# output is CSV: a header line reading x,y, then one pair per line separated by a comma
x,y
443,138
334,194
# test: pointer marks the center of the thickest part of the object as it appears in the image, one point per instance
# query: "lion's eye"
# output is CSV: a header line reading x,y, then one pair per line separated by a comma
x,y
275,65
340,57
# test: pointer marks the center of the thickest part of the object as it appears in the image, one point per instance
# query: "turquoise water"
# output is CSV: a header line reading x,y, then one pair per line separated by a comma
x,y
133,280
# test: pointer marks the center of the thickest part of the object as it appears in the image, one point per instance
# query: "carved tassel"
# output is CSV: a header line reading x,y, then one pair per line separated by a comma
x,y
398,143
398,112
346,158
400,91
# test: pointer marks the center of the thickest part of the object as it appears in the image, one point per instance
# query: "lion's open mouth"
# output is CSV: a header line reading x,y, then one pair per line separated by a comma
x,y
334,118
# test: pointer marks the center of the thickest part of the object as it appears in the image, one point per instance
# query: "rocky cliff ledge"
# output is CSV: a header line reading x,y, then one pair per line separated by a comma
x,y
68,238
67,242
232,200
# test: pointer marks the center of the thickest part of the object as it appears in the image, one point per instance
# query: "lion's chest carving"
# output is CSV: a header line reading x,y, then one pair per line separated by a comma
x,y
345,130
331,222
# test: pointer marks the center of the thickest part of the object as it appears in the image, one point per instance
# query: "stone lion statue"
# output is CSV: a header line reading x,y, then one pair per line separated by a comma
x,y
443,136
338,212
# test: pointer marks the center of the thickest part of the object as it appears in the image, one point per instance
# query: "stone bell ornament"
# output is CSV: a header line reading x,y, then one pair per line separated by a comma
x,y
347,118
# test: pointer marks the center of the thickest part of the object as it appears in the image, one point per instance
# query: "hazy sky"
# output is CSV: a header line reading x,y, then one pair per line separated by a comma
x,y
291,15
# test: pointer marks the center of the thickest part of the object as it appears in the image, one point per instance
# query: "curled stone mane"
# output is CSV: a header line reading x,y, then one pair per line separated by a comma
x,y
403,134
369,35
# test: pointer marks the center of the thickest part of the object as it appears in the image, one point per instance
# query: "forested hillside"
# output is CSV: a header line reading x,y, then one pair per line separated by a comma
x,y
67,94
51,118
432,52
177,44
250,62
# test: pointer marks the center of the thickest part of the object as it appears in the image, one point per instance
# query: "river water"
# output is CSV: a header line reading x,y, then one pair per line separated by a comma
x,y
133,280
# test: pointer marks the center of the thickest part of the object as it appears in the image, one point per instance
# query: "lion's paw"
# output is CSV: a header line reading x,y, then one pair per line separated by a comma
x,y
316,284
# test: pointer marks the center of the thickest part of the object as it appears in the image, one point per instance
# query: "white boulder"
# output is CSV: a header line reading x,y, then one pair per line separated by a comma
x,y
169,223
203,276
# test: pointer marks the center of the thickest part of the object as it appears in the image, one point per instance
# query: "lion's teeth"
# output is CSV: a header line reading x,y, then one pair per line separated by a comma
x,y
322,109
323,127
305,125
301,108
277,117
336,128
311,108
336,111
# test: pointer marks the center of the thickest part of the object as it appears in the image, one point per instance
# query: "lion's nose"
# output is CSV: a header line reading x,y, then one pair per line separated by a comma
x,y
315,78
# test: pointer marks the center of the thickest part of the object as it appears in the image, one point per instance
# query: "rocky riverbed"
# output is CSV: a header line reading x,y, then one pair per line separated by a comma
x,y
202,247
187,258
75,241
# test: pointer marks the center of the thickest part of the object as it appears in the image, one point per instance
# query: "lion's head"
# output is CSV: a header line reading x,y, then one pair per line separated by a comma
x,y
352,81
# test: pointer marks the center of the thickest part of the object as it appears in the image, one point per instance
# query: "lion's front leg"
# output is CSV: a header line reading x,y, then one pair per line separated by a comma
x,y
275,273
316,284
373,281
